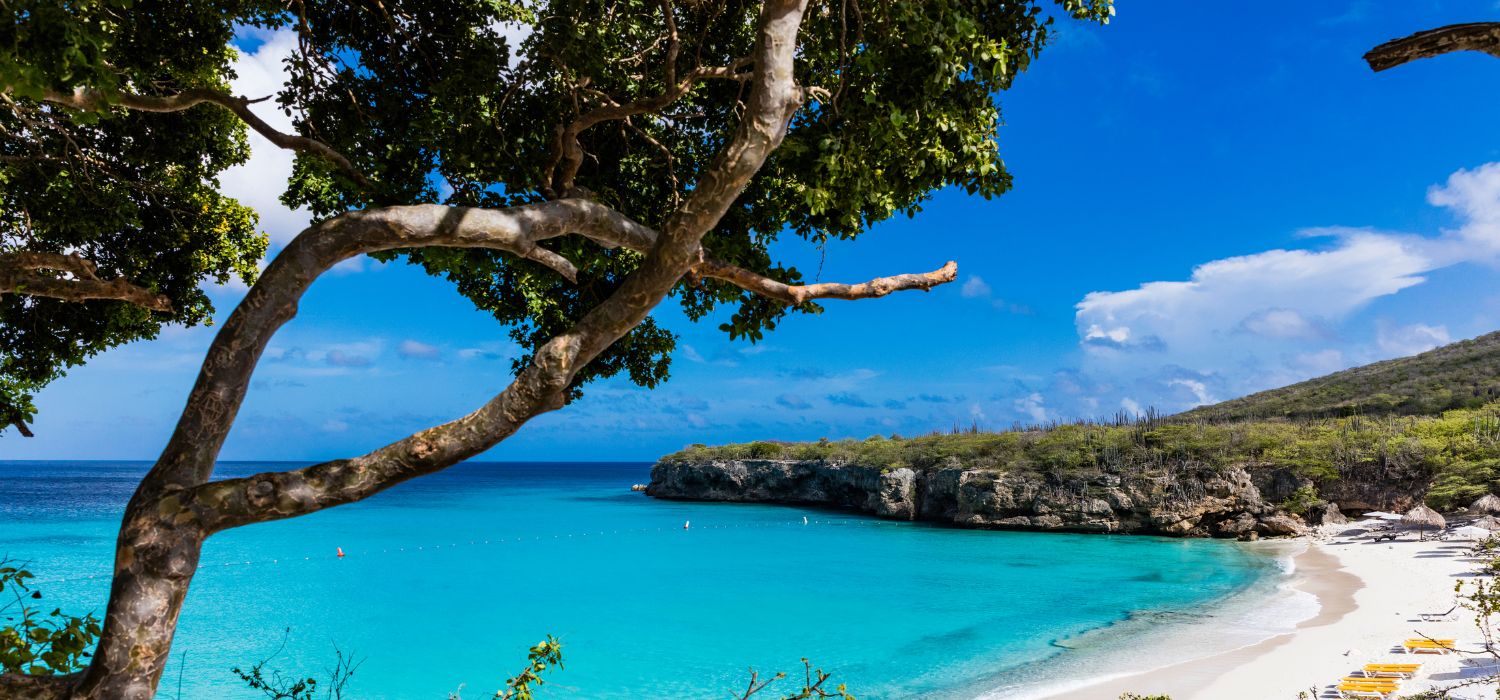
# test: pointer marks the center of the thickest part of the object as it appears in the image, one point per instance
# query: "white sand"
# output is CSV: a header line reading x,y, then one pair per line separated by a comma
x,y
1369,596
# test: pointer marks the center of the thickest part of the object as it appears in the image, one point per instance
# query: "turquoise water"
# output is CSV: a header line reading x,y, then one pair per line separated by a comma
x,y
448,579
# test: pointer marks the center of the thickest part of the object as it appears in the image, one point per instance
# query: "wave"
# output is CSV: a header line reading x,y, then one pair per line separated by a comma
x,y
1147,640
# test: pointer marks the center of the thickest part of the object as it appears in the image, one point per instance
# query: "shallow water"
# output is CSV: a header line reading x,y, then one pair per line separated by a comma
x,y
448,579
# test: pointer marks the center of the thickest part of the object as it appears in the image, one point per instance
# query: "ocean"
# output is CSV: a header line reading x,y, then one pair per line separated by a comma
x,y
448,579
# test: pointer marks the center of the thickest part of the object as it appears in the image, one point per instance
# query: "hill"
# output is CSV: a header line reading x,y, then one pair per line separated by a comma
x,y
1465,374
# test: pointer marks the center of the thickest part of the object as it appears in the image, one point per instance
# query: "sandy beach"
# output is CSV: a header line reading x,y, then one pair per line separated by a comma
x,y
1369,599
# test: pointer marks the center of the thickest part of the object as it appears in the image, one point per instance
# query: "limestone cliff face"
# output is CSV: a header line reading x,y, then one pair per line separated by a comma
x,y
1180,500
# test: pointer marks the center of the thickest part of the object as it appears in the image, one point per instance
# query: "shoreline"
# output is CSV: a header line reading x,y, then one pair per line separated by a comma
x,y
1368,598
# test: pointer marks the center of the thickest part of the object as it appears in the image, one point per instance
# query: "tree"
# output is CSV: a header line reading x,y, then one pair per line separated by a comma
x,y
623,152
1483,37
109,220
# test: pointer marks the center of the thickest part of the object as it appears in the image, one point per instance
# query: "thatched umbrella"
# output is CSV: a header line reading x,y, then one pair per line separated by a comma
x,y
1489,503
1423,517
1488,522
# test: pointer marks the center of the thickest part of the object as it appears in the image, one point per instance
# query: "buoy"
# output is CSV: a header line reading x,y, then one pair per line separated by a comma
x,y
341,552
686,523
804,520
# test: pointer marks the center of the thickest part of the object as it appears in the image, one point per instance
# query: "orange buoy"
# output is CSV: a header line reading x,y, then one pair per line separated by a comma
x,y
341,552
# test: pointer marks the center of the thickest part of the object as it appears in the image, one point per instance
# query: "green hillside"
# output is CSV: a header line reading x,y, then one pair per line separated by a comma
x,y
1436,414
1465,374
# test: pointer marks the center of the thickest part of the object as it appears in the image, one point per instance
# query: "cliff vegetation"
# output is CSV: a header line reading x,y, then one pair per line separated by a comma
x,y
1457,451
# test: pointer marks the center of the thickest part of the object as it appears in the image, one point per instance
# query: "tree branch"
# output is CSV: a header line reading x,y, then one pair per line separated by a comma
x,y
26,272
540,387
567,152
189,456
90,99
798,294
1483,37
21,686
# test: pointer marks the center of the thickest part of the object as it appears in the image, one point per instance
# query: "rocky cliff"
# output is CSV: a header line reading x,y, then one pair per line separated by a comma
x,y
1179,500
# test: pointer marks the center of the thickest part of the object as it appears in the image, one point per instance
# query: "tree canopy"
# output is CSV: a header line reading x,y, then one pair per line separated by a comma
x,y
567,165
480,103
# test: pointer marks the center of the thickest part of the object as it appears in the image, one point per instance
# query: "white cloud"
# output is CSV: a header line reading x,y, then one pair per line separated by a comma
x,y
1130,407
1191,338
1399,341
259,182
1033,406
1199,390
1280,323
1474,197
975,288
418,350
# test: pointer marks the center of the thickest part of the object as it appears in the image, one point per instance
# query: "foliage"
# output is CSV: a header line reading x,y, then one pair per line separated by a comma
x,y
1465,374
137,194
1458,449
433,102
40,644
1301,500
540,658
296,687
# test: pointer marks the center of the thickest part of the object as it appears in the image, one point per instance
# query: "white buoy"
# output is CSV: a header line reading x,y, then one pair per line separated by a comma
x,y
686,523
804,520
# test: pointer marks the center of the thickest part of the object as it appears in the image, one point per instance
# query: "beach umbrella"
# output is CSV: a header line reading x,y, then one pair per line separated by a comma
x,y
1489,503
1423,517
1488,522
1473,533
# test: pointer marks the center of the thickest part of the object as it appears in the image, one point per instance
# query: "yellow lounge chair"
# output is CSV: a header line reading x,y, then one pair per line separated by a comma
x,y
1396,670
1366,690
1428,646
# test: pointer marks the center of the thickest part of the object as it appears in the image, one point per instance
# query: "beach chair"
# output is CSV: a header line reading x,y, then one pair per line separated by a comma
x,y
1392,536
1367,688
1428,646
1391,670
1435,617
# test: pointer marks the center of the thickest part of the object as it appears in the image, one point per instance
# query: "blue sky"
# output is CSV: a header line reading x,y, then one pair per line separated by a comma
x,y
1211,199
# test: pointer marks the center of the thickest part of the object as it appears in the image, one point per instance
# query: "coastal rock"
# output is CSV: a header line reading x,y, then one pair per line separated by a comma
x,y
1236,526
1185,500
1281,524
1326,514
1389,487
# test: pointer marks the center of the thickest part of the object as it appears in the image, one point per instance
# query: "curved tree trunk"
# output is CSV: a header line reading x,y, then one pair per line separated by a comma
x,y
177,506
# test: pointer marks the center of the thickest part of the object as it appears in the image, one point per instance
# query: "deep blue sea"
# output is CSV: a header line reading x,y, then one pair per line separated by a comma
x,y
449,578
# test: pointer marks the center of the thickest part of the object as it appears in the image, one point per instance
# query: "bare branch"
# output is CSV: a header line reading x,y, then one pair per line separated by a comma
x,y
673,45
567,152
23,429
1483,37
90,99
798,294
35,274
